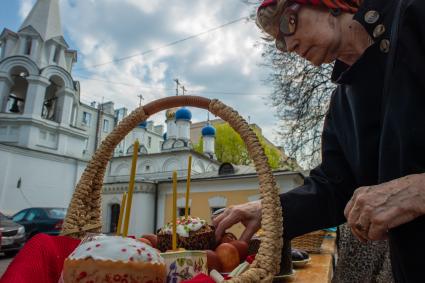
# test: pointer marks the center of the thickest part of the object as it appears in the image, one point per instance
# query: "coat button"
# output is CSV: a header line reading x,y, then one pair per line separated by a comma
x,y
385,45
378,31
371,17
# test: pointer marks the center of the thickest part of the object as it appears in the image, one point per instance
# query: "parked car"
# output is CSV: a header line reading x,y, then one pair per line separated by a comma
x,y
41,220
12,236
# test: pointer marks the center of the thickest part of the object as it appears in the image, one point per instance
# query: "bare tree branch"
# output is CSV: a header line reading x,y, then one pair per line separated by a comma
x,y
301,94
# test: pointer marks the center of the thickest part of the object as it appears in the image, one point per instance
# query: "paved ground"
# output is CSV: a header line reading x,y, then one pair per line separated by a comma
x,y
4,262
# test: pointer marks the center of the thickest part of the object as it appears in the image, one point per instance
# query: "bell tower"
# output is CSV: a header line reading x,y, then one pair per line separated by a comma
x,y
38,97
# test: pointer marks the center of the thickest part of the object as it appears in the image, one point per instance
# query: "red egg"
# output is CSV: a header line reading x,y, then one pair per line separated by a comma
x,y
146,241
213,261
228,237
152,238
228,255
242,248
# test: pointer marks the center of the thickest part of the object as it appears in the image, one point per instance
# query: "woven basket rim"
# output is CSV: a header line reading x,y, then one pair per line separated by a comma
x,y
84,209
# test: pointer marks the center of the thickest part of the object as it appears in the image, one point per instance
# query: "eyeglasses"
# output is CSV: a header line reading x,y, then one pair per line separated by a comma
x,y
287,25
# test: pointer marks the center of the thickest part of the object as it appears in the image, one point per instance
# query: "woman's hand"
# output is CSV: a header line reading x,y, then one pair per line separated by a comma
x,y
373,210
249,214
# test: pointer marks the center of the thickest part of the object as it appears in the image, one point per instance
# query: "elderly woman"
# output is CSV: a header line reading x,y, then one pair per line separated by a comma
x,y
373,147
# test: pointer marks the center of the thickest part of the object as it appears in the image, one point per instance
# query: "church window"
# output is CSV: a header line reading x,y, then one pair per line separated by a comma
x,y
106,126
28,45
56,56
119,114
148,167
74,115
214,209
181,211
226,169
86,119
149,142
113,222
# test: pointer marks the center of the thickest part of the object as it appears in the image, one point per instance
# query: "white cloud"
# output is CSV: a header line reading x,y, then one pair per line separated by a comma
x,y
147,6
223,60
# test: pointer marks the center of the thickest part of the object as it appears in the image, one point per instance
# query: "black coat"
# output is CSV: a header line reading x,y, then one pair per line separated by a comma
x,y
368,140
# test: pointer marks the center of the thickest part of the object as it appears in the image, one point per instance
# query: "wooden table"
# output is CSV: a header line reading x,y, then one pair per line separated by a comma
x,y
320,268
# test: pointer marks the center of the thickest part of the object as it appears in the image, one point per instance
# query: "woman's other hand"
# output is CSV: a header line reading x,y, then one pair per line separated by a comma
x,y
374,210
249,214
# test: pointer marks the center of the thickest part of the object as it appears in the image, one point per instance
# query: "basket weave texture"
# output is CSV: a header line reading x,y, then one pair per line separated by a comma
x,y
84,212
311,242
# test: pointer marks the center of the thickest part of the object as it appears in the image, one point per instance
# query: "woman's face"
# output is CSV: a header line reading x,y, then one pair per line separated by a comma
x,y
317,38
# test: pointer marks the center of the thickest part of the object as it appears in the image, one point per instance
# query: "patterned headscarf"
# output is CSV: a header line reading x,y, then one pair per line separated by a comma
x,y
349,6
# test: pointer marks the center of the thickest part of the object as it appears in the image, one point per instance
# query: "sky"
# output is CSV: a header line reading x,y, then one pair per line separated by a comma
x,y
222,63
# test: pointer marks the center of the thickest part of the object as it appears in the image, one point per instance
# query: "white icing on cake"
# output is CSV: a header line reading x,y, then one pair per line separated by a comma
x,y
117,248
184,226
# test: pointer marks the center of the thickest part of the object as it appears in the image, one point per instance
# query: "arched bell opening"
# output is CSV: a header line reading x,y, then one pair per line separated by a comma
x,y
50,109
15,101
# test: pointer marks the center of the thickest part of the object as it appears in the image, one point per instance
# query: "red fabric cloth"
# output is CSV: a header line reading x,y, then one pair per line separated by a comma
x,y
250,259
200,278
40,260
350,6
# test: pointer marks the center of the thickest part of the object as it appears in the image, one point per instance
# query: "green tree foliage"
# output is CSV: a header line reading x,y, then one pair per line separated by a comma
x,y
229,147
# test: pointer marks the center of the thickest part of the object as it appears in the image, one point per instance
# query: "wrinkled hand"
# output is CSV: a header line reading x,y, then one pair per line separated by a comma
x,y
374,210
249,214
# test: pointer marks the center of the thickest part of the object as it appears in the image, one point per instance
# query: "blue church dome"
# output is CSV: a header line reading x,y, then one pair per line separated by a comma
x,y
143,125
183,114
208,130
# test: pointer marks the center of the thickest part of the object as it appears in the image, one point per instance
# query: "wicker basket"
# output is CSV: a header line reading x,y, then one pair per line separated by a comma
x,y
84,212
311,242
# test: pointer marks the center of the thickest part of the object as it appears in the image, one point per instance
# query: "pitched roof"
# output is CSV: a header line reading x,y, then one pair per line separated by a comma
x,y
45,19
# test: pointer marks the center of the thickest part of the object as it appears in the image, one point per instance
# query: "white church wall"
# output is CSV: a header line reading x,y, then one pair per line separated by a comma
x,y
146,166
211,167
150,139
43,135
74,146
120,168
142,209
105,127
157,166
43,179
160,214
107,202
9,133
171,129
89,128
171,164
198,166
183,129
142,212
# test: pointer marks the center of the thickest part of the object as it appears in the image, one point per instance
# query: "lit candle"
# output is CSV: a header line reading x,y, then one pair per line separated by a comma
x,y
189,170
122,209
174,246
131,187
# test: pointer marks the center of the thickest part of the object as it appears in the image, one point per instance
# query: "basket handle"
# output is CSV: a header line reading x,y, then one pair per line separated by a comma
x,y
84,212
